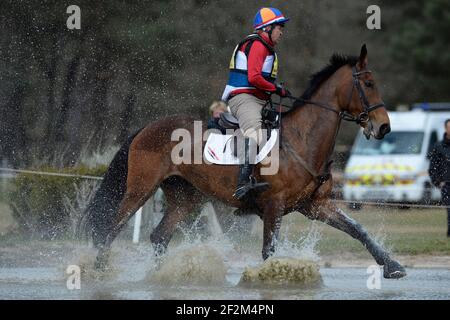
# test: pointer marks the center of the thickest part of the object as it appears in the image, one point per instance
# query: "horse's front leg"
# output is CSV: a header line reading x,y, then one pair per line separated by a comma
x,y
335,217
272,216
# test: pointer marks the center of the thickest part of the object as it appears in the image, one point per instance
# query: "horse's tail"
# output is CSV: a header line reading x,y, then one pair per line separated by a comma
x,y
99,214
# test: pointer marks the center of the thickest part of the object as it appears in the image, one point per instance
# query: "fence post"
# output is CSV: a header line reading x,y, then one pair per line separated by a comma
x,y
4,177
137,225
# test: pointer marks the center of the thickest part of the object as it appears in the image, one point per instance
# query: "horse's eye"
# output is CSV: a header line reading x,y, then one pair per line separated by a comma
x,y
368,84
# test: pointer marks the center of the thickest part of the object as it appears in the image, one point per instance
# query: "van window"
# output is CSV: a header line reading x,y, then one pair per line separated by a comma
x,y
433,140
396,142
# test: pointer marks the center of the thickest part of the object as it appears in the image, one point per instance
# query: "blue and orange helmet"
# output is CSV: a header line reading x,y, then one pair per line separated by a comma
x,y
267,16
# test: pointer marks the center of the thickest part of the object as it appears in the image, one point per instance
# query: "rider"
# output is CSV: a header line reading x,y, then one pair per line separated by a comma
x,y
253,71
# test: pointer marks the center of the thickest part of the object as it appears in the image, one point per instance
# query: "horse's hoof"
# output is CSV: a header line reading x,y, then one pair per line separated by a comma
x,y
393,270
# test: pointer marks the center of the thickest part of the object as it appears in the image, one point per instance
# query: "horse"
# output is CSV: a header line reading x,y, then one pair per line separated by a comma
x,y
345,89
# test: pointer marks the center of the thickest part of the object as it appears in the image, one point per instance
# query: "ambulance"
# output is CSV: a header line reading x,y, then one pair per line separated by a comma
x,y
395,169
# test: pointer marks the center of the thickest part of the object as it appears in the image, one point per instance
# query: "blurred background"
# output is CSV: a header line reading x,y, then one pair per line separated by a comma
x,y
65,93
69,98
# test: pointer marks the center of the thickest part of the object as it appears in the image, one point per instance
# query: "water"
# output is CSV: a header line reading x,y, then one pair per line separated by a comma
x,y
196,267
42,276
338,283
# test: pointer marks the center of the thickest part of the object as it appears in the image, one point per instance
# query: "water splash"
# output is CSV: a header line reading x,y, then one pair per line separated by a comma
x,y
196,256
201,256
195,265
84,257
304,248
282,272
380,235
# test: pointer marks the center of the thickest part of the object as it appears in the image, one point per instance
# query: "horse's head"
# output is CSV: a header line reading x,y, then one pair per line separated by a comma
x,y
362,100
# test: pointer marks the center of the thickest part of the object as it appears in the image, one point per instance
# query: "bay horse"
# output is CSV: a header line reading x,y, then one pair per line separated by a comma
x,y
344,89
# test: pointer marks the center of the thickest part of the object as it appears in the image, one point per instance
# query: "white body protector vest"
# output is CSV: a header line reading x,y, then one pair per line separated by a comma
x,y
238,78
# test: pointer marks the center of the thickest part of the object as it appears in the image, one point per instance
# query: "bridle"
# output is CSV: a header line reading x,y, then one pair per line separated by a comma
x,y
345,115
363,117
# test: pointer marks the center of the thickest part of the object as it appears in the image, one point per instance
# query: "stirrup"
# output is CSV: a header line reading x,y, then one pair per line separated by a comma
x,y
252,185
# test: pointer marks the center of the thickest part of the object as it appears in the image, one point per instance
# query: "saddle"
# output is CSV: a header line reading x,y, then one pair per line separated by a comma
x,y
228,121
270,119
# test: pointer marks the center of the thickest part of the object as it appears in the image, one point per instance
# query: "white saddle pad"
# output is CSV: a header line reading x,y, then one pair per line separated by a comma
x,y
218,148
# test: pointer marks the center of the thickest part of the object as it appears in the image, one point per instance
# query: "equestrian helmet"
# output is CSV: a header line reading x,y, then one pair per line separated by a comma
x,y
267,16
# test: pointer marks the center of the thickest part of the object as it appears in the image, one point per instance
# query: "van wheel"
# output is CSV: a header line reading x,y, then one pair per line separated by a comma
x,y
354,206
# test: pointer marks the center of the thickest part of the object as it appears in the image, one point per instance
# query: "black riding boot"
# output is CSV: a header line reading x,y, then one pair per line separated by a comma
x,y
246,182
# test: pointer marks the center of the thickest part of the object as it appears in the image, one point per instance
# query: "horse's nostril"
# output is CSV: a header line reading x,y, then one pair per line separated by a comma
x,y
385,129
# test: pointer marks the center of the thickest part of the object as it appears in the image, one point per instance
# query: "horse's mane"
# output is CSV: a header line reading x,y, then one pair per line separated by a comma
x,y
336,61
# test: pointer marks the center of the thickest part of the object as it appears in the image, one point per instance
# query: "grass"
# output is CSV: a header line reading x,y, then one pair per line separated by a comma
x,y
6,220
412,232
5,188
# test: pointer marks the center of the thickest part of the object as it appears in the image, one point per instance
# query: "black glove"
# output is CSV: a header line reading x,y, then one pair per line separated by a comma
x,y
281,91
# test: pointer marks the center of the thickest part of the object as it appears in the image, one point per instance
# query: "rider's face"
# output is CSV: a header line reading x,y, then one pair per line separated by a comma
x,y
277,32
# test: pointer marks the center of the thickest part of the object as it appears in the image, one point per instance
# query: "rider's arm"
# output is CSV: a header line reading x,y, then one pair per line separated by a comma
x,y
256,56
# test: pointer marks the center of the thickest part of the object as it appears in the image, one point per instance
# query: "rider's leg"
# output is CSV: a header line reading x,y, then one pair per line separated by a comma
x,y
247,183
247,160
247,109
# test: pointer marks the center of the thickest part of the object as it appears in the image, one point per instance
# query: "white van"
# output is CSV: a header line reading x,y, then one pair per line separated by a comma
x,y
395,169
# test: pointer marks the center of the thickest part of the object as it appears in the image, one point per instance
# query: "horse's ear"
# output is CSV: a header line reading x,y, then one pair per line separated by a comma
x,y
362,61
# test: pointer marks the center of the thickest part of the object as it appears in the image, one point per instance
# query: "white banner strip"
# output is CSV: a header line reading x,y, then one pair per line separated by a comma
x,y
51,173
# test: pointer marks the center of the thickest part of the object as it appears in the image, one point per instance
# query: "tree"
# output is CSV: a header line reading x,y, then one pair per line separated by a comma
x,y
420,46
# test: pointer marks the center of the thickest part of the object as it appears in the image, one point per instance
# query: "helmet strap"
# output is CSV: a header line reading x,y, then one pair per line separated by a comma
x,y
270,32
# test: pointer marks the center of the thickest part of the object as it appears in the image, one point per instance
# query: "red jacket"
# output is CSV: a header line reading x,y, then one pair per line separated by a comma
x,y
255,60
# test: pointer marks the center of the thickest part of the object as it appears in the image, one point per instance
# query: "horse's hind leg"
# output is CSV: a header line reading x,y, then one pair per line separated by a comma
x,y
182,199
141,184
336,218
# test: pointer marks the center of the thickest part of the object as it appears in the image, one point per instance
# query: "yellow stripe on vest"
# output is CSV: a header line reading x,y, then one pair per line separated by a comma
x,y
275,67
233,58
